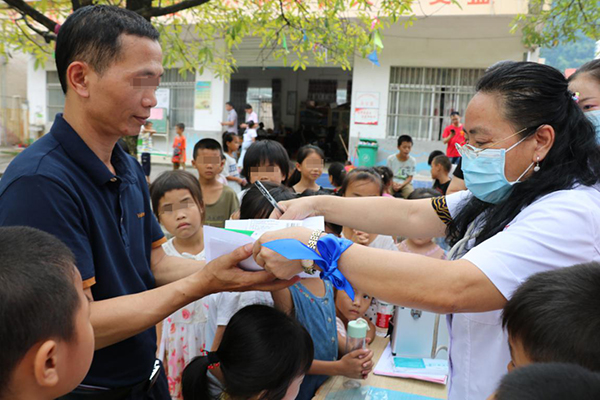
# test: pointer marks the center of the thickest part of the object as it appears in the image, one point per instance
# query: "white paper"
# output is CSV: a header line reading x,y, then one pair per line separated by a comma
x,y
260,226
385,366
218,242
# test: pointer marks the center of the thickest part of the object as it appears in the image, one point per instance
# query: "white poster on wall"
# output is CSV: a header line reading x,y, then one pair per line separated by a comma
x,y
366,108
162,98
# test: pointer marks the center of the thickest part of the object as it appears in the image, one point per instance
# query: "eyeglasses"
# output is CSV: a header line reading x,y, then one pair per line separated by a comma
x,y
473,152
169,208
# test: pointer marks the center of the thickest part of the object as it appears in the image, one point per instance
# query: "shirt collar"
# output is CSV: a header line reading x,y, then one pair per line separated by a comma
x,y
85,158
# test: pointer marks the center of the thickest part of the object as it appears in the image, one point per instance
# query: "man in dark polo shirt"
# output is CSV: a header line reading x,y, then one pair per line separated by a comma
x,y
78,185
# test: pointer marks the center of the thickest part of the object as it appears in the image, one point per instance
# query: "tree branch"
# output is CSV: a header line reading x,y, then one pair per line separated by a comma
x,y
149,12
37,16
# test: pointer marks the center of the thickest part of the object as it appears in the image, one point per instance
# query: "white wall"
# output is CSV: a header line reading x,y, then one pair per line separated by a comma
x,y
36,93
439,42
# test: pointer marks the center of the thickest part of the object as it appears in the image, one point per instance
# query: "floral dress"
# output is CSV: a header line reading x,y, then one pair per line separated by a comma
x,y
183,333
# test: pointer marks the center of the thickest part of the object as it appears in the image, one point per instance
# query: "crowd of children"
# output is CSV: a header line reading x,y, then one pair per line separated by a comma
x,y
284,344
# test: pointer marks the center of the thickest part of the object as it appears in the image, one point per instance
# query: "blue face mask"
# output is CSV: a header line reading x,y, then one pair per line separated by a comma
x,y
484,172
594,117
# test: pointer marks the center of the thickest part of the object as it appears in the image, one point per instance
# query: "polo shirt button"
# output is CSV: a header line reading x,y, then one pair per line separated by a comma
x,y
113,179
333,339
329,319
325,301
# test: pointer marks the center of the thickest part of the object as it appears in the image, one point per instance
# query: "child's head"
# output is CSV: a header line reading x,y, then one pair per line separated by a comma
x,y
405,143
440,167
351,310
256,206
362,182
266,160
177,203
208,158
337,173
386,175
309,164
179,128
549,381
586,81
264,354
48,340
455,118
148,125
554,316
231,142
433,155
251,124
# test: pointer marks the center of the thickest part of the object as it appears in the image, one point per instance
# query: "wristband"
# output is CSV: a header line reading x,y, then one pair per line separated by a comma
x,y
330,248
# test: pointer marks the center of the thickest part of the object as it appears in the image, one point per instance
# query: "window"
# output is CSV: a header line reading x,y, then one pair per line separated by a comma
x,y
181,101
421,99
55,98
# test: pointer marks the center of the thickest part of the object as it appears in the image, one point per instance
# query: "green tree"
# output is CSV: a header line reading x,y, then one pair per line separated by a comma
x,y
569,55
200,33
552,22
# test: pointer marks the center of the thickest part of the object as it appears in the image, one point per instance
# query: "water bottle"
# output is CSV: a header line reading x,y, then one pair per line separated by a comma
x,y
384,315
356,339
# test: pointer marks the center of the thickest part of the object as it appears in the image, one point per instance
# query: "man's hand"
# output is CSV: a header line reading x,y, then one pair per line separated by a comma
x,y
357,364
224,275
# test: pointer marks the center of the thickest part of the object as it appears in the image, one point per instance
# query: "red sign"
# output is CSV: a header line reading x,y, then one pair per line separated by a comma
x,y
434,2
478,2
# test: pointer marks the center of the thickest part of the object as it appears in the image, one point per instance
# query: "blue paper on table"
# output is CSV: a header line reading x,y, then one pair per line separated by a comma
x,y
402,362
373,393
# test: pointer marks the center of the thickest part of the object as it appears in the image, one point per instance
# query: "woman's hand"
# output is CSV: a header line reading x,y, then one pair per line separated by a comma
x,y
298,209
360,237
275,263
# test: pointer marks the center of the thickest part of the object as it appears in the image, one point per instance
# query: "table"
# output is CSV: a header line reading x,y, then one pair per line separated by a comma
x,y
335,383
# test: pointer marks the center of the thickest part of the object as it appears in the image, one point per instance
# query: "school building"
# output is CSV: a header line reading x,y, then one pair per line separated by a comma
x,y
424,72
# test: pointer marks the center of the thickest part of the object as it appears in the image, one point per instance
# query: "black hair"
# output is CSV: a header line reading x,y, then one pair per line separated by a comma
x,y
93,34
423,193
38,297
444,161
556,315
256,206
267,152
147,123
404,138
337,172
433,155
247,107
230,104
531,95
208,144
227,137
361,174
453,113
591,68
174,180
180,125
262,350
251,124
549,381
304,152
385,174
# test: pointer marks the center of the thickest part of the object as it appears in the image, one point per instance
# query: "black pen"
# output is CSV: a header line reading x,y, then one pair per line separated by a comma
x,y
267,195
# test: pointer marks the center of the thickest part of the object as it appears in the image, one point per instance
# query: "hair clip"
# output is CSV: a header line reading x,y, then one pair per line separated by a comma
x,y
215,365
576,97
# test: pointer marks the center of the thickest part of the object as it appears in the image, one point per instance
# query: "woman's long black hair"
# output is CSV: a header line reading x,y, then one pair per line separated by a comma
x,y
262,351
532,95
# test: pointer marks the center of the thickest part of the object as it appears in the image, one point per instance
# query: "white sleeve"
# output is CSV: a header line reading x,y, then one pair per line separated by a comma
x,y
557,231
228,305
384,242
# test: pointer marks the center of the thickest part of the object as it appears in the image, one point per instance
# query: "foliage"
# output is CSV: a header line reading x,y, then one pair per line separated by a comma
x,y
552,22
202,33
569,55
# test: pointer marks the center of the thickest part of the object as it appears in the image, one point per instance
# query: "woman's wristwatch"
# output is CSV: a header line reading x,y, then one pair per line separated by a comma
x,y
309,265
